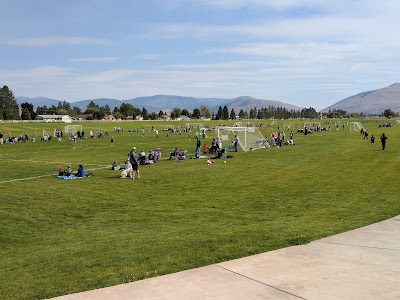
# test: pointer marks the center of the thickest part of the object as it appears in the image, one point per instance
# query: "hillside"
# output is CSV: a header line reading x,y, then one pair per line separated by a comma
x,y
246,103
371,102
168,102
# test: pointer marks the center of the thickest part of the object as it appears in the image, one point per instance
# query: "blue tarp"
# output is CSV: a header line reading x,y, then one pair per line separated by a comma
x,y
69,177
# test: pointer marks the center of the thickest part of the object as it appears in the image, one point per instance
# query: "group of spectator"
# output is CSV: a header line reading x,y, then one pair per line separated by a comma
x,y
68,172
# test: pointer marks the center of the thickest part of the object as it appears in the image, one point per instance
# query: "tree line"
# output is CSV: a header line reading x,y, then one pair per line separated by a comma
x,y
10,110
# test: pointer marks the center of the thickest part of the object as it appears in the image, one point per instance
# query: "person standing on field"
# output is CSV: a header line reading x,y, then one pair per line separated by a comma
x,y
198,144
236,143
383,140
134,162
372,140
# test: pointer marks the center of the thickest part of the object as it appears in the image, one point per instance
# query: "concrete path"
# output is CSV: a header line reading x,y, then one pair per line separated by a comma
x,y
359,264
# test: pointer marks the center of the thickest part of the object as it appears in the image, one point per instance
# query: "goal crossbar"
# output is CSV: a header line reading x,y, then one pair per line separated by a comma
x,y
250,138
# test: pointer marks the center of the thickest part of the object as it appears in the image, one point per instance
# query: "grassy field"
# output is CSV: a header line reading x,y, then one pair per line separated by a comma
x,y
64,236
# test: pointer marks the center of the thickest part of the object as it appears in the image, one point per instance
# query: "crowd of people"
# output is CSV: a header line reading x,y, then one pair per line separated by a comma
x,y
67,172
214,150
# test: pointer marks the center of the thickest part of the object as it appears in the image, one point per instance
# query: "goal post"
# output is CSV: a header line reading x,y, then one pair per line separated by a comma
x,y
250,138
45,136
73,128
356,126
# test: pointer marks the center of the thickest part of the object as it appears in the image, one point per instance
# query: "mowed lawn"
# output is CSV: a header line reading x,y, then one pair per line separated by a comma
x,y
65,236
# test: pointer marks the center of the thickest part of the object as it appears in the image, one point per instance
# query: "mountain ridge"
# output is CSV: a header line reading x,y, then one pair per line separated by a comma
x,y
373,102
167,103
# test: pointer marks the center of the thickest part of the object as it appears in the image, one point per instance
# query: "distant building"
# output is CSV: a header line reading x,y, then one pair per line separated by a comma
x,y
81,117
164,118
109,118
55,118
183,118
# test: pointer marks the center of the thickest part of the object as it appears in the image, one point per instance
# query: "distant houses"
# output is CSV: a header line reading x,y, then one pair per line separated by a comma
x,y
81,117
54,118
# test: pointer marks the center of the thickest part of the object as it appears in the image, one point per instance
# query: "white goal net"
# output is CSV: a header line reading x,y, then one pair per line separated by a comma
x,y
73,128
356,126
250,138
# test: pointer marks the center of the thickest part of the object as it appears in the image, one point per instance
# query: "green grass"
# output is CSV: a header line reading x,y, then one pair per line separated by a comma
x,y
64,236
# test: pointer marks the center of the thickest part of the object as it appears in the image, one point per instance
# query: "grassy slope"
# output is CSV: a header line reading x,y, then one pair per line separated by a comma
x,y
64,236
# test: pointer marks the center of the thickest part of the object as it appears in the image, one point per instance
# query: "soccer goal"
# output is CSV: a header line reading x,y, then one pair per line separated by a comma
x,y
356,126
73,128
46,136
250,138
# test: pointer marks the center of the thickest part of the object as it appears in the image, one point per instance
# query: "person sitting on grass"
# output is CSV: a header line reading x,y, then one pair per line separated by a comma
x,y
174,154
81,172
128,172
206,148
151,156
115,166
182,155
68,172
220,154
61,171
142,158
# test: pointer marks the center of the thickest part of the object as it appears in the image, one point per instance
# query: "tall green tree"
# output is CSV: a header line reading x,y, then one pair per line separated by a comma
x,y
232,115
253,113
9,109
219,114
41,110
205,112
388,113
176,113
107,109
225,113
145,113
196,113
128,110
97,113
27,112
242,114
92,104
185,112
76,111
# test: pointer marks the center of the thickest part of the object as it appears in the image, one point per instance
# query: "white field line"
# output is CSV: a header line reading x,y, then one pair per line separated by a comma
x,y
48,175
47,162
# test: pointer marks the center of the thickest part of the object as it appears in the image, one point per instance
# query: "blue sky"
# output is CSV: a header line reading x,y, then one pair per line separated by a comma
x,y
303,52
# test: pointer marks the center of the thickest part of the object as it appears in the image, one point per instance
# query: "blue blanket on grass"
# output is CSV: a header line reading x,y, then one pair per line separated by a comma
x,y
69,177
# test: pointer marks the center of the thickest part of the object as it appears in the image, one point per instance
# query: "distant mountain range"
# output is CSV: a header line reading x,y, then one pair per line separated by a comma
x,y
167,103
371,102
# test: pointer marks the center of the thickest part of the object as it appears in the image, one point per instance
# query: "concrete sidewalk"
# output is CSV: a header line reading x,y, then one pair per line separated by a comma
x,y
359,264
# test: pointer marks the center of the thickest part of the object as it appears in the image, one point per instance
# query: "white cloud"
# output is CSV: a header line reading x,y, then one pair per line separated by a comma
x,y
107,76
279,5
94,59
43,73
148,56
57,41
